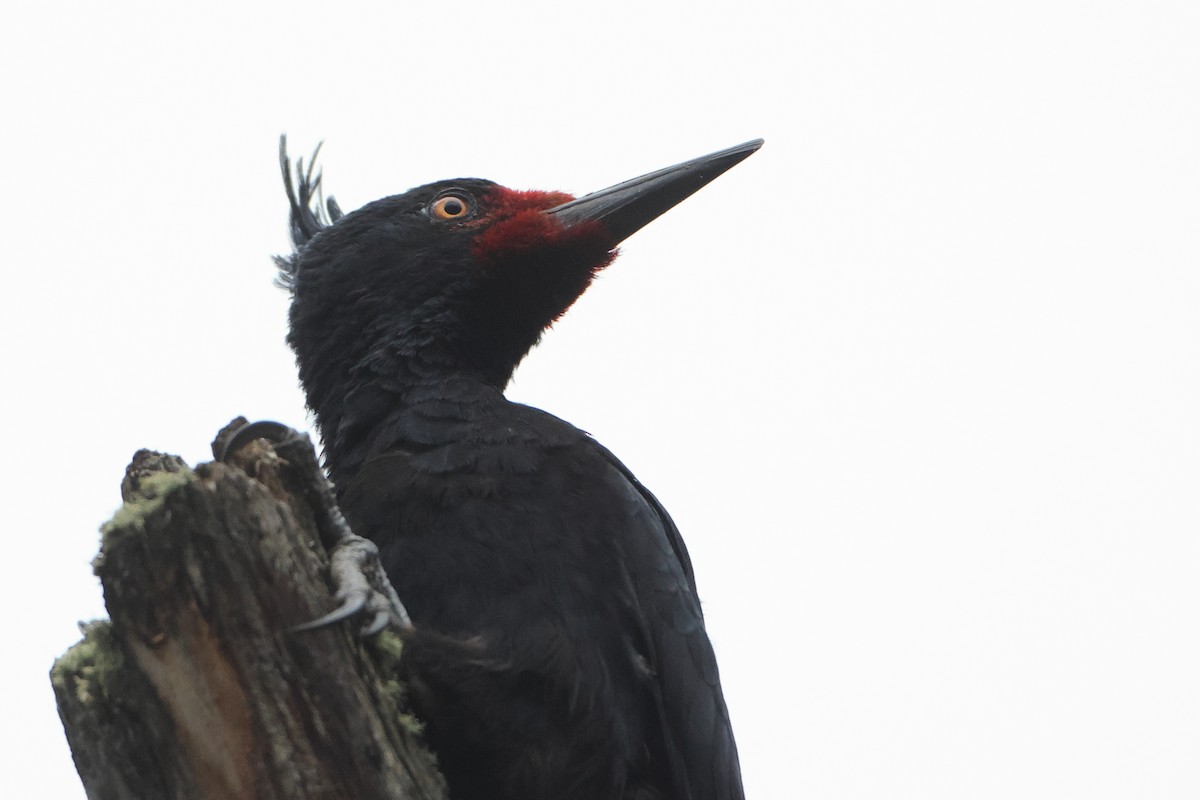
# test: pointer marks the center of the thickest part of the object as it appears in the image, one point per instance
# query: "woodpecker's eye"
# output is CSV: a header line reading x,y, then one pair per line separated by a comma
x,y
452,206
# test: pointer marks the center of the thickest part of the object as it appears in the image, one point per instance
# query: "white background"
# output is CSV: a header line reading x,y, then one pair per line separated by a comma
x,y
919,381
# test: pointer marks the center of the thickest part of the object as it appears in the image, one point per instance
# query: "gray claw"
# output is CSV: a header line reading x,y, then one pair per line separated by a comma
x,y
349,608
382,618
263,429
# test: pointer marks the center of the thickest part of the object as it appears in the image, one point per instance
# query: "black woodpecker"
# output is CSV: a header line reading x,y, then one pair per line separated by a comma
x,y
557,649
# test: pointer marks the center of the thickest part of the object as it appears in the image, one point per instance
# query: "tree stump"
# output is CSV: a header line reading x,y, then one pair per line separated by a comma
x,y
195,688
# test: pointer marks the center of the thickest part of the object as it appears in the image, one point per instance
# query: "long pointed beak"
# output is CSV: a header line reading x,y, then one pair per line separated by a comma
x,y
627,207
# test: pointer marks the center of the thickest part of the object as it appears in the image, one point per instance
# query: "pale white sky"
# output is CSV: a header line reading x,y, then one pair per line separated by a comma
x,y
919,381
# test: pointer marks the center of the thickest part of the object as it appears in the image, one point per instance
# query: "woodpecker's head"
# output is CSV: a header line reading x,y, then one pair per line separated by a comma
x,y
455,277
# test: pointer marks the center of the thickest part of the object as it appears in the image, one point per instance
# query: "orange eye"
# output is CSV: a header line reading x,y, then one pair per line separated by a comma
x,y
450,207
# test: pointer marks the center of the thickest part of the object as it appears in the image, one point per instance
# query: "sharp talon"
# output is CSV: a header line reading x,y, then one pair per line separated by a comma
x,y
263,429
347,609
382,618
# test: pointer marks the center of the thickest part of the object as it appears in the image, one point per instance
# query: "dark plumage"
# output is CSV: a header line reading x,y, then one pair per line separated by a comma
x,y
559,649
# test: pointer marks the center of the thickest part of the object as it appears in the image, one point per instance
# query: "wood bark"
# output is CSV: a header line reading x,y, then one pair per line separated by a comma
x,y
195,688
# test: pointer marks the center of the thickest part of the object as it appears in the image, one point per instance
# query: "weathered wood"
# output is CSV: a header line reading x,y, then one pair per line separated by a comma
x,y
195,688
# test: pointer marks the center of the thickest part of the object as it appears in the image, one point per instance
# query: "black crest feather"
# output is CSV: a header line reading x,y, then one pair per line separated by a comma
x,y
310,210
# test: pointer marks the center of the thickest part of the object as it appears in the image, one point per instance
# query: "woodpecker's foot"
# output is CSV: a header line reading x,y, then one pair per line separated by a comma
x,y
362,588
361,584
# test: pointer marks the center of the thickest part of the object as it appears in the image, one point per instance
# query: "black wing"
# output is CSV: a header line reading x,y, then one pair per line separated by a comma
x,y
697,734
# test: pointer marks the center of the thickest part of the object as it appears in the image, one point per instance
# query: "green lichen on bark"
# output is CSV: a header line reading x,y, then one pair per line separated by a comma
x,y
151,493
87,670
386,650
